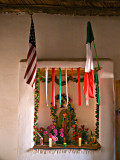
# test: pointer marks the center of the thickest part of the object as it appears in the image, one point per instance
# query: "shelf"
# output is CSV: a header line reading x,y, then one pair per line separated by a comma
x,y
86,147
69,71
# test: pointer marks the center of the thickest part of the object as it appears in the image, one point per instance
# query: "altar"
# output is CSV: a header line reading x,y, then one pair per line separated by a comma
x,y
26,113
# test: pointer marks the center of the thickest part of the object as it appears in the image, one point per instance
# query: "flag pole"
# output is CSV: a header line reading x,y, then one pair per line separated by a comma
x,y
96,55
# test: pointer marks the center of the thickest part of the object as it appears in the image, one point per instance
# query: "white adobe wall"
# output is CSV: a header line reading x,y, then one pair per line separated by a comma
x,y
57,37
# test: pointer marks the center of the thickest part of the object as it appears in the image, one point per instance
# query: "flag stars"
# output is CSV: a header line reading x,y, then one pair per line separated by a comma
x,y
32,35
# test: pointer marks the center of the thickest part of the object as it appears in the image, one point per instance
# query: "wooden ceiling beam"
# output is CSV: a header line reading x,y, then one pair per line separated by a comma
x,y
57,9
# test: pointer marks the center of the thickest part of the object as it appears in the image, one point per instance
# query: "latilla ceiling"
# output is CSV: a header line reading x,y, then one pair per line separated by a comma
x,y
75,7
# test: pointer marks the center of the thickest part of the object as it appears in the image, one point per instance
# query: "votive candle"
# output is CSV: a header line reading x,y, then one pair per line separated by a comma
x,y
79,141
65,144
41,141
50,142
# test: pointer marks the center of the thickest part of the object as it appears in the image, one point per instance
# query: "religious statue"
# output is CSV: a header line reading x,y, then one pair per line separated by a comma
x,y
64,123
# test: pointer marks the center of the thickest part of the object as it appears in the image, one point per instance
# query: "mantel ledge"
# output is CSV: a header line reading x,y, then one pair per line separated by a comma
x,y
69,149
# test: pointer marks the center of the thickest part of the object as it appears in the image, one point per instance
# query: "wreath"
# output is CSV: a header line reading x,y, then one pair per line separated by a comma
x,y
74,124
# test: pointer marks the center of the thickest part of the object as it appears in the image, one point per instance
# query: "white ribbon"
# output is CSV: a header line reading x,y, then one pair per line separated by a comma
x,y
87,102
46,76
66,86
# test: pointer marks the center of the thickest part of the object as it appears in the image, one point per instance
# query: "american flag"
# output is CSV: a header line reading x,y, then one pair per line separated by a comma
x,y
30,74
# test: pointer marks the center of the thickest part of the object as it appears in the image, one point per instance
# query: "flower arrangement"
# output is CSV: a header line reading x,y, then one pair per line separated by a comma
x,y
75,137
41,131
73,118
54,133
84,133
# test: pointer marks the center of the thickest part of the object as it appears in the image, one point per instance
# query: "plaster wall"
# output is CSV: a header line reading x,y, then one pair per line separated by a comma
x,y
57,37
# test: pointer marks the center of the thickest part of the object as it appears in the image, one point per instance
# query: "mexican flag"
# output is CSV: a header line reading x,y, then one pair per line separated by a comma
x,y
88,88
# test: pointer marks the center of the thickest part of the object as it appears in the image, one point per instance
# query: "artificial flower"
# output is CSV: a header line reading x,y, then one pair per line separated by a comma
x,y
52,126
41,129
45,132
73,125
82,126
53,138
55,131
49,128
62,134
50,135
61,130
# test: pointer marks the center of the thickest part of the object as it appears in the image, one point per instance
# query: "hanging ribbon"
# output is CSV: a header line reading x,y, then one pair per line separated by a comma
x,y
66,86
39,84
46,76
53,86
59,87
73,85
79,90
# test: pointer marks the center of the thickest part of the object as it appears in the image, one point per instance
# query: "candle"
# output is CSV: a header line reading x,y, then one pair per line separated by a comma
x,y
79,141
65,144
41,141
50,142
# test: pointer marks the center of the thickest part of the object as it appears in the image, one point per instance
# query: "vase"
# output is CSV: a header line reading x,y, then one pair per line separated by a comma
x,y
53,143
46,138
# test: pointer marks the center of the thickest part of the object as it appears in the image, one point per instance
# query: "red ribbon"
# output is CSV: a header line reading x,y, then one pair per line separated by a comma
x,y
73,85
53,86
79,90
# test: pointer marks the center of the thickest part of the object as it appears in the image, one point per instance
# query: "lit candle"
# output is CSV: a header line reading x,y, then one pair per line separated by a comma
x,y
50,142
79,141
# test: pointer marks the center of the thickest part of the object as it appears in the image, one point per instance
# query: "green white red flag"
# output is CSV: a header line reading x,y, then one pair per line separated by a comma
x,y
88,88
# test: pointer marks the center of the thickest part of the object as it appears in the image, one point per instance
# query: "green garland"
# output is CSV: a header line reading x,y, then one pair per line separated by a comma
x,y
36,108
69,78
70,107
74,124
97,105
